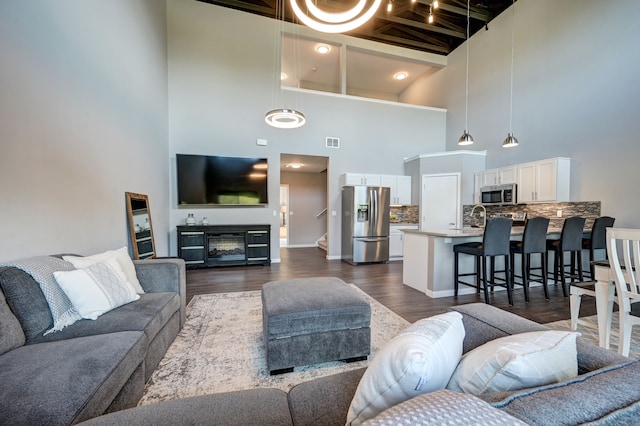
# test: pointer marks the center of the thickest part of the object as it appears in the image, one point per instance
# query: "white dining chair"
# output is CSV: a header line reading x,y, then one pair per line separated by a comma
x,y
623,246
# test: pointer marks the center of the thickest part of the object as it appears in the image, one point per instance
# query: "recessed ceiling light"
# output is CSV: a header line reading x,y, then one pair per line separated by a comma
x,y
401,75
295,165
283,76
323,49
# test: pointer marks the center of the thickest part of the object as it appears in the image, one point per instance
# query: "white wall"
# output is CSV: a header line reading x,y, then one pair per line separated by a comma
x,y
221,83
83,118
575,94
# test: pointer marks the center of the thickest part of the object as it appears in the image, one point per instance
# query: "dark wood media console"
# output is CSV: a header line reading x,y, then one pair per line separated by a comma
x,y
203,246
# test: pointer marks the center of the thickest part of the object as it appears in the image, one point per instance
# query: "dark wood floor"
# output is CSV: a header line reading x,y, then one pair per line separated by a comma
x,y
381,281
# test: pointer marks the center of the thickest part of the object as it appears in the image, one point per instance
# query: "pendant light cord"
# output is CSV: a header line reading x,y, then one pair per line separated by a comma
x,y
513,31
466,92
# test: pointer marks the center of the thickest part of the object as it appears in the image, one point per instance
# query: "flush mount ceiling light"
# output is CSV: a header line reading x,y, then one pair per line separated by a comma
x,y
466,138
341,22
401,75
283,76
283,118
323,49
511,140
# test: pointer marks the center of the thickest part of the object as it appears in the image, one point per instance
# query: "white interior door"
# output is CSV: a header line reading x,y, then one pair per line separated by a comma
x,y
440,201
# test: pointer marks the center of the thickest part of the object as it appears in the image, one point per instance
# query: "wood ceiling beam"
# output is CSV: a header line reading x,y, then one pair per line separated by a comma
x,y
404,42
426,38
422,26
473,13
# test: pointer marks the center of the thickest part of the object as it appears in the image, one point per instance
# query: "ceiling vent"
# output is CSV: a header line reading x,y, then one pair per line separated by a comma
x,y
333,142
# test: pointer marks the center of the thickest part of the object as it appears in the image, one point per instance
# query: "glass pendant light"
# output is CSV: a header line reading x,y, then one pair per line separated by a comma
x,y
466,138
511,140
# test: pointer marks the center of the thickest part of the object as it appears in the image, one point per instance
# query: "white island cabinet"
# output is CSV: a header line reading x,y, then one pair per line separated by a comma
x,y
428,258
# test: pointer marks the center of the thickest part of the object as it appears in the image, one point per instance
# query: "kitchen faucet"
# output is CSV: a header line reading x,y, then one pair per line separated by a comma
x,y
484,217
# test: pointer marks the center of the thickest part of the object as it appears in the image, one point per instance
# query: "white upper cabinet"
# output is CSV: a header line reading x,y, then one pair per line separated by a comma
x,y
544,181
349,179
477,184
400,185
400,188
499,176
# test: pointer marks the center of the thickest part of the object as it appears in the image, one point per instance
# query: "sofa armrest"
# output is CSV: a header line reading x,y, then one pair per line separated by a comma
x,y
608,396
483,323
159,275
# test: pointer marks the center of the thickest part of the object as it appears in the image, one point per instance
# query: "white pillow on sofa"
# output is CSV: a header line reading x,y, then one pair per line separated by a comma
x,y
517,362
128,269
420,359
96,289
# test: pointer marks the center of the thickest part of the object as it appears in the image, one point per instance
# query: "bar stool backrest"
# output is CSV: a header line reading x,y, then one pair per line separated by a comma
x,y
599,232
534,239
496,236
572,230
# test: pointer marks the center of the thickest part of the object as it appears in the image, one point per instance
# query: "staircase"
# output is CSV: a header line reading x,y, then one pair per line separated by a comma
x,y
322,242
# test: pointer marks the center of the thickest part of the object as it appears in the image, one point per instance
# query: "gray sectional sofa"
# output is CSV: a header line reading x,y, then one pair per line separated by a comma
x,y
606,392
90,367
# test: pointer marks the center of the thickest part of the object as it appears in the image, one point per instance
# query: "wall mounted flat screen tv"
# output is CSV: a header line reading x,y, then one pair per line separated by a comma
x,y
213,180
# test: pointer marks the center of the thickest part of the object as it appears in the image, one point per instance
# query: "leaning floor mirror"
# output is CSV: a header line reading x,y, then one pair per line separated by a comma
x,y
140,228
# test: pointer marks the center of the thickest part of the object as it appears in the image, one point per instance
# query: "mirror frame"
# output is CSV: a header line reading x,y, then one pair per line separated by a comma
x,y
132,197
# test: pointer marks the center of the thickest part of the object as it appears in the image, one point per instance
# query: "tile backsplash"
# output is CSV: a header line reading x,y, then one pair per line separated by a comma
x,y
405,214
587,209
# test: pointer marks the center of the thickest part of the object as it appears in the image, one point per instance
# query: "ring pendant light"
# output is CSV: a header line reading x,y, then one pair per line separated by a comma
x,y
335,22
282,118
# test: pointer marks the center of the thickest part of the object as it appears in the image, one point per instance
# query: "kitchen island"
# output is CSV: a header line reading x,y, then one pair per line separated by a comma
x,y
428,258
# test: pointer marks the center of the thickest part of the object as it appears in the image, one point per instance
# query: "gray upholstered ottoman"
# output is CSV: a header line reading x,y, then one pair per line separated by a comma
x,y
313,320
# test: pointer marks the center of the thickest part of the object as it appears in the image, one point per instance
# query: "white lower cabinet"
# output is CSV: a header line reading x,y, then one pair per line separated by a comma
x,y
395,239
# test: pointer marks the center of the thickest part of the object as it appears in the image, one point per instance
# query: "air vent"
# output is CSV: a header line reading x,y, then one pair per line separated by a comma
x,y
333,142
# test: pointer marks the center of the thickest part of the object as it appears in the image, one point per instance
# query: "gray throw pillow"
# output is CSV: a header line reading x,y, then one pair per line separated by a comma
x,y
11,334
26,300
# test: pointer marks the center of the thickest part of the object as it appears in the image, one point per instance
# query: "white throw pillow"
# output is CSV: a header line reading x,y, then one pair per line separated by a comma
x,y
96,289
128,269
517,362
420,359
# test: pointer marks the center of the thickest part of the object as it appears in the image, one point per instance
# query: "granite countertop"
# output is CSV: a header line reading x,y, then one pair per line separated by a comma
x,y
470,232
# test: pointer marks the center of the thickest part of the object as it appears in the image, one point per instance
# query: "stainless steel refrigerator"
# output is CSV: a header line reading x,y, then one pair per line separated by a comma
x,y
365,224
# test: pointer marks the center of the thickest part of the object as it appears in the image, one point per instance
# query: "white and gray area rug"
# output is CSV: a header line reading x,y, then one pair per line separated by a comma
x,y
588,327
221,349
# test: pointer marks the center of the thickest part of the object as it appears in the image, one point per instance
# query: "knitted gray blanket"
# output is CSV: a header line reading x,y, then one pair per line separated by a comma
x,y
41,268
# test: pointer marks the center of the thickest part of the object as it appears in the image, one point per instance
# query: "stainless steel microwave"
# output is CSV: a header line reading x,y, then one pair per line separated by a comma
x,y
499,194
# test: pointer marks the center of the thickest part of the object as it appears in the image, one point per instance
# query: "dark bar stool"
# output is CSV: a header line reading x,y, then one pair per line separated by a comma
x,y
570,241
597,240
534,241
495,242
